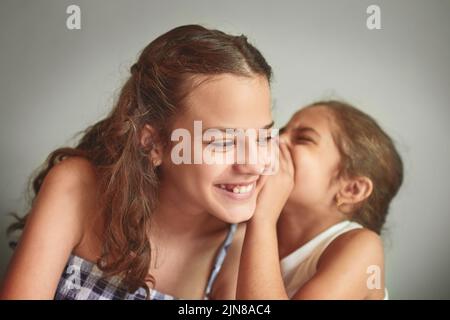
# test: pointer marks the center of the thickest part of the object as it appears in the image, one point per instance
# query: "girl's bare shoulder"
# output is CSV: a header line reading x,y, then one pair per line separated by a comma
x,y
68,195
54,227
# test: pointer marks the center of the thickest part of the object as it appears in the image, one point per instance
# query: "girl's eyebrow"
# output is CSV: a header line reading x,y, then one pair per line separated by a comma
x,y
267,126
309,129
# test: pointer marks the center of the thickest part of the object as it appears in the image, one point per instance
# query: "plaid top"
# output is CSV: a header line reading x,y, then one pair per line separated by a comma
x,y
82,280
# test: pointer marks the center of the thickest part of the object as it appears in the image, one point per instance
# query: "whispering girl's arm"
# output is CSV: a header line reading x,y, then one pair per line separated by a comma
x,y
259,270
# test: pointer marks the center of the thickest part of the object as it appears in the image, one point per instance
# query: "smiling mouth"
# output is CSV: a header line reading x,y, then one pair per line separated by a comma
x,y
237,188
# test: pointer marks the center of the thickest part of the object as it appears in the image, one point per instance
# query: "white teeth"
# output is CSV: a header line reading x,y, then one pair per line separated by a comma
x,y
243,189
238,189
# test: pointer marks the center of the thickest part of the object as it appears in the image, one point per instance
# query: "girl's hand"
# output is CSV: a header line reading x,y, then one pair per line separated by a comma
x,y
277,187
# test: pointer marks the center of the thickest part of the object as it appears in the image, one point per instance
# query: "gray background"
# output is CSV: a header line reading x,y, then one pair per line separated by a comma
x,y
54,82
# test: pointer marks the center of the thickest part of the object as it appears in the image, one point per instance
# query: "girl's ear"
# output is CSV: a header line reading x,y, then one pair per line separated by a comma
x,y
150,141
353,191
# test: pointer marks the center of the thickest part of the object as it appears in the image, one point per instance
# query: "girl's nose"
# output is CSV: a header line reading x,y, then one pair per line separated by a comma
x,y
250,168
256,160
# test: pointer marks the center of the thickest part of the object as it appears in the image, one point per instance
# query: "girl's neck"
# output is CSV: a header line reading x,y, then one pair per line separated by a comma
x,y
179,221
296,226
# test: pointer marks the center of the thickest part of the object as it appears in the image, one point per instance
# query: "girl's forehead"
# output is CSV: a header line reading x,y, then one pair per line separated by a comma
x,y
230,101
318,117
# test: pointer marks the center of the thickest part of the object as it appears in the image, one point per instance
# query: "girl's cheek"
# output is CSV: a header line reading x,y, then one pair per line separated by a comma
x,y
308,170
296,156
303,159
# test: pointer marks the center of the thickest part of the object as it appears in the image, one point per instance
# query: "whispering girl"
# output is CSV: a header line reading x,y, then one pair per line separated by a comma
x,y
316,230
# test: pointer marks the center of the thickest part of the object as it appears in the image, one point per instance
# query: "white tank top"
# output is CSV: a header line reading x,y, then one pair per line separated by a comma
x,y
301,265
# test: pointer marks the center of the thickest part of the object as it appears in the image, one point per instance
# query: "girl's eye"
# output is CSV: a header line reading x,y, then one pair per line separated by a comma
x,y
269,137
222,145
303,139
265,140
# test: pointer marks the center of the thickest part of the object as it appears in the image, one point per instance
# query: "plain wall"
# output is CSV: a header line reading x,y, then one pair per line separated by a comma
x,y
54,82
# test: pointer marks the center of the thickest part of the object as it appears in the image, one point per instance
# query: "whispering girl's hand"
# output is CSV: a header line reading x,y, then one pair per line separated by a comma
x,y
277,188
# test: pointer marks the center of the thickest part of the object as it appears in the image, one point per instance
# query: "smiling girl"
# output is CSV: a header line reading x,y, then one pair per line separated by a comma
x,y
116,218
338,174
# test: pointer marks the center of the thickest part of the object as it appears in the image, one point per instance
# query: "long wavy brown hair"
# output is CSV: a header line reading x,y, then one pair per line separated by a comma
x,y
153,94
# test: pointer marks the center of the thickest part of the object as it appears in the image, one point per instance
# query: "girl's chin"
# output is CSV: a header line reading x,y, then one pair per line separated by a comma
x,y
237,214
234,207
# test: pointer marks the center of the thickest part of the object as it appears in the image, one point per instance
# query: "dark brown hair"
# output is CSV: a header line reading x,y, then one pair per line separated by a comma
x,y
366,150
153,94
